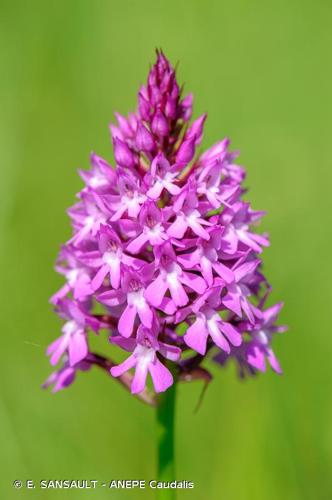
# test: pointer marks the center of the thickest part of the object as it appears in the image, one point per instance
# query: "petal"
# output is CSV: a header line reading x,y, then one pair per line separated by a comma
x,y
273,361
139,380
60,294
82,287
161,377
189,260
65,378
224,272
57,348
127,364
206,267
145,314
197,335
126,344
99,278
229,240
178,293
270,315
111,298
172,188
245,237
198,229
155,292
167,306
231,333
126,321
194,282
245,269
232,302
255,357
177,228
155,191
246,306
217,336
119,213
170,351
136,244
115,273
78,347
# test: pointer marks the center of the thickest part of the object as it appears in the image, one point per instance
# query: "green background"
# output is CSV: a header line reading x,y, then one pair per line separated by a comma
x,y
262,71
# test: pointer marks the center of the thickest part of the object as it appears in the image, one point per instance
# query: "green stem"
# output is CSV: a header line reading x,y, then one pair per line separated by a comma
x,y
165,437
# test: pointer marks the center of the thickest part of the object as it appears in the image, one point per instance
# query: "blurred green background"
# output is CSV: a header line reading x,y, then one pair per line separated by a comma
x,y
262,71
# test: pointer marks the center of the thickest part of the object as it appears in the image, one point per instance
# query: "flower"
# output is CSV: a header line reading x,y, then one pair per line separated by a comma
x,y
161,177
253,354
163,243
144,359
74,337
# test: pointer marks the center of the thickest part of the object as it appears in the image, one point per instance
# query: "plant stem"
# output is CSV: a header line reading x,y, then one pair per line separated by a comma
x,y
165,437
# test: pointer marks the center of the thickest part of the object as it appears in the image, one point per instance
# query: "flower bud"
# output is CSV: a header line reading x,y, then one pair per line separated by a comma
x,y
196,129
124,125
186,151
143,107
123,155
170,108
187,107
144,139
159,124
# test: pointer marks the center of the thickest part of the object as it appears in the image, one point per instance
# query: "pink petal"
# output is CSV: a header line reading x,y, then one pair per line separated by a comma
x,y
189,260
57,348
197,228
224,272
111,298
245,237
178,294
194,282
155,191
273,361
136,244
78,347
245,269
82,287
126,321
232,302
145,315
177,228
197,335
139,380
231,333
161,377
167,306
155,292
127,364
170,351
60,294
218,337
99,278
115,273
229,240
255,358
172,188
206,267
128,344
246,306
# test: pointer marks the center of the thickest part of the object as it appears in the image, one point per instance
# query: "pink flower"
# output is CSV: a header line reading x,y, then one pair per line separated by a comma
x,y
163,240
144,359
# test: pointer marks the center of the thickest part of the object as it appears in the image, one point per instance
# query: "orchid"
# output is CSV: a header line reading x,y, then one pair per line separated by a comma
x,y
164,256
74,338
144,348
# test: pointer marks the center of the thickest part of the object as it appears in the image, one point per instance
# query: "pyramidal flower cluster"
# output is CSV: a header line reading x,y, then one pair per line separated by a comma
x,y
163,245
